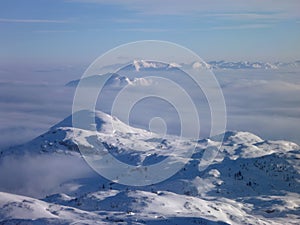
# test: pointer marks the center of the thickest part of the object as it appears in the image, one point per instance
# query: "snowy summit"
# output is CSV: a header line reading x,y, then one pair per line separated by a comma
x,y
251,181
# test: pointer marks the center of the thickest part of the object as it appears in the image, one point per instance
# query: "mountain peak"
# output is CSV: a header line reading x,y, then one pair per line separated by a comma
x,y
100,119
137,146
140,65
110,79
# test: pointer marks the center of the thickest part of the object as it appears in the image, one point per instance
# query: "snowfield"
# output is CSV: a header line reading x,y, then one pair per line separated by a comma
x,y
251,181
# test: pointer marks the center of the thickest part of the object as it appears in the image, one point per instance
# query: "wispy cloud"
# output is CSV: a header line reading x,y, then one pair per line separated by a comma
x,y
262,9
249,16
140,29
124,20
54,31
239,27
5,20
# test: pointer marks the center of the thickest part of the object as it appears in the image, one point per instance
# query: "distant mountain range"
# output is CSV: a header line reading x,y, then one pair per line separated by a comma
x,y
114,80
144,65
251,65
251,181
140,65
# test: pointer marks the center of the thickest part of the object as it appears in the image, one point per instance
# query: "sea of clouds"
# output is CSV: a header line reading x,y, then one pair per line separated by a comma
x,y
265,102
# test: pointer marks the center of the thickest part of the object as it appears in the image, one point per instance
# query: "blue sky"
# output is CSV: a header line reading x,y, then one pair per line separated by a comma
x,y
46,43
68,31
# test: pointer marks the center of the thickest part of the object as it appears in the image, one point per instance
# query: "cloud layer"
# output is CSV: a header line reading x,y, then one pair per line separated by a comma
x,y
31,176
264,102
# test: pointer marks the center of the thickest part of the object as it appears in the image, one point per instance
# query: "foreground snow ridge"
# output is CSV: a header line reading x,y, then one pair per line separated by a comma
x,y
252,181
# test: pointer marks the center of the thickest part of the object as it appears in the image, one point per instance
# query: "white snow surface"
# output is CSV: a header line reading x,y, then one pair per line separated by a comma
x,y
148,64
115,81
251,181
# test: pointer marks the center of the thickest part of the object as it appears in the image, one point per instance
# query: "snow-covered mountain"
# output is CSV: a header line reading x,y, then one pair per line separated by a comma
x,y
149,65
146,65
251,181
241,65
224,65
114,81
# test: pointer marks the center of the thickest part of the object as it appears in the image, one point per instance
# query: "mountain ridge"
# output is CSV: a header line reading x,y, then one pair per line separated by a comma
x,y
251,180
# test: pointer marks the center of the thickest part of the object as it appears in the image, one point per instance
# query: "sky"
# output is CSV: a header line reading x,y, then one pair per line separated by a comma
x,y
46,43
78,31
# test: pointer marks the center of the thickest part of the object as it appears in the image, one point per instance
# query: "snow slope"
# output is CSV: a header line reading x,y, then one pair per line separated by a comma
x,y
251,181
245,65
115,81
146,65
